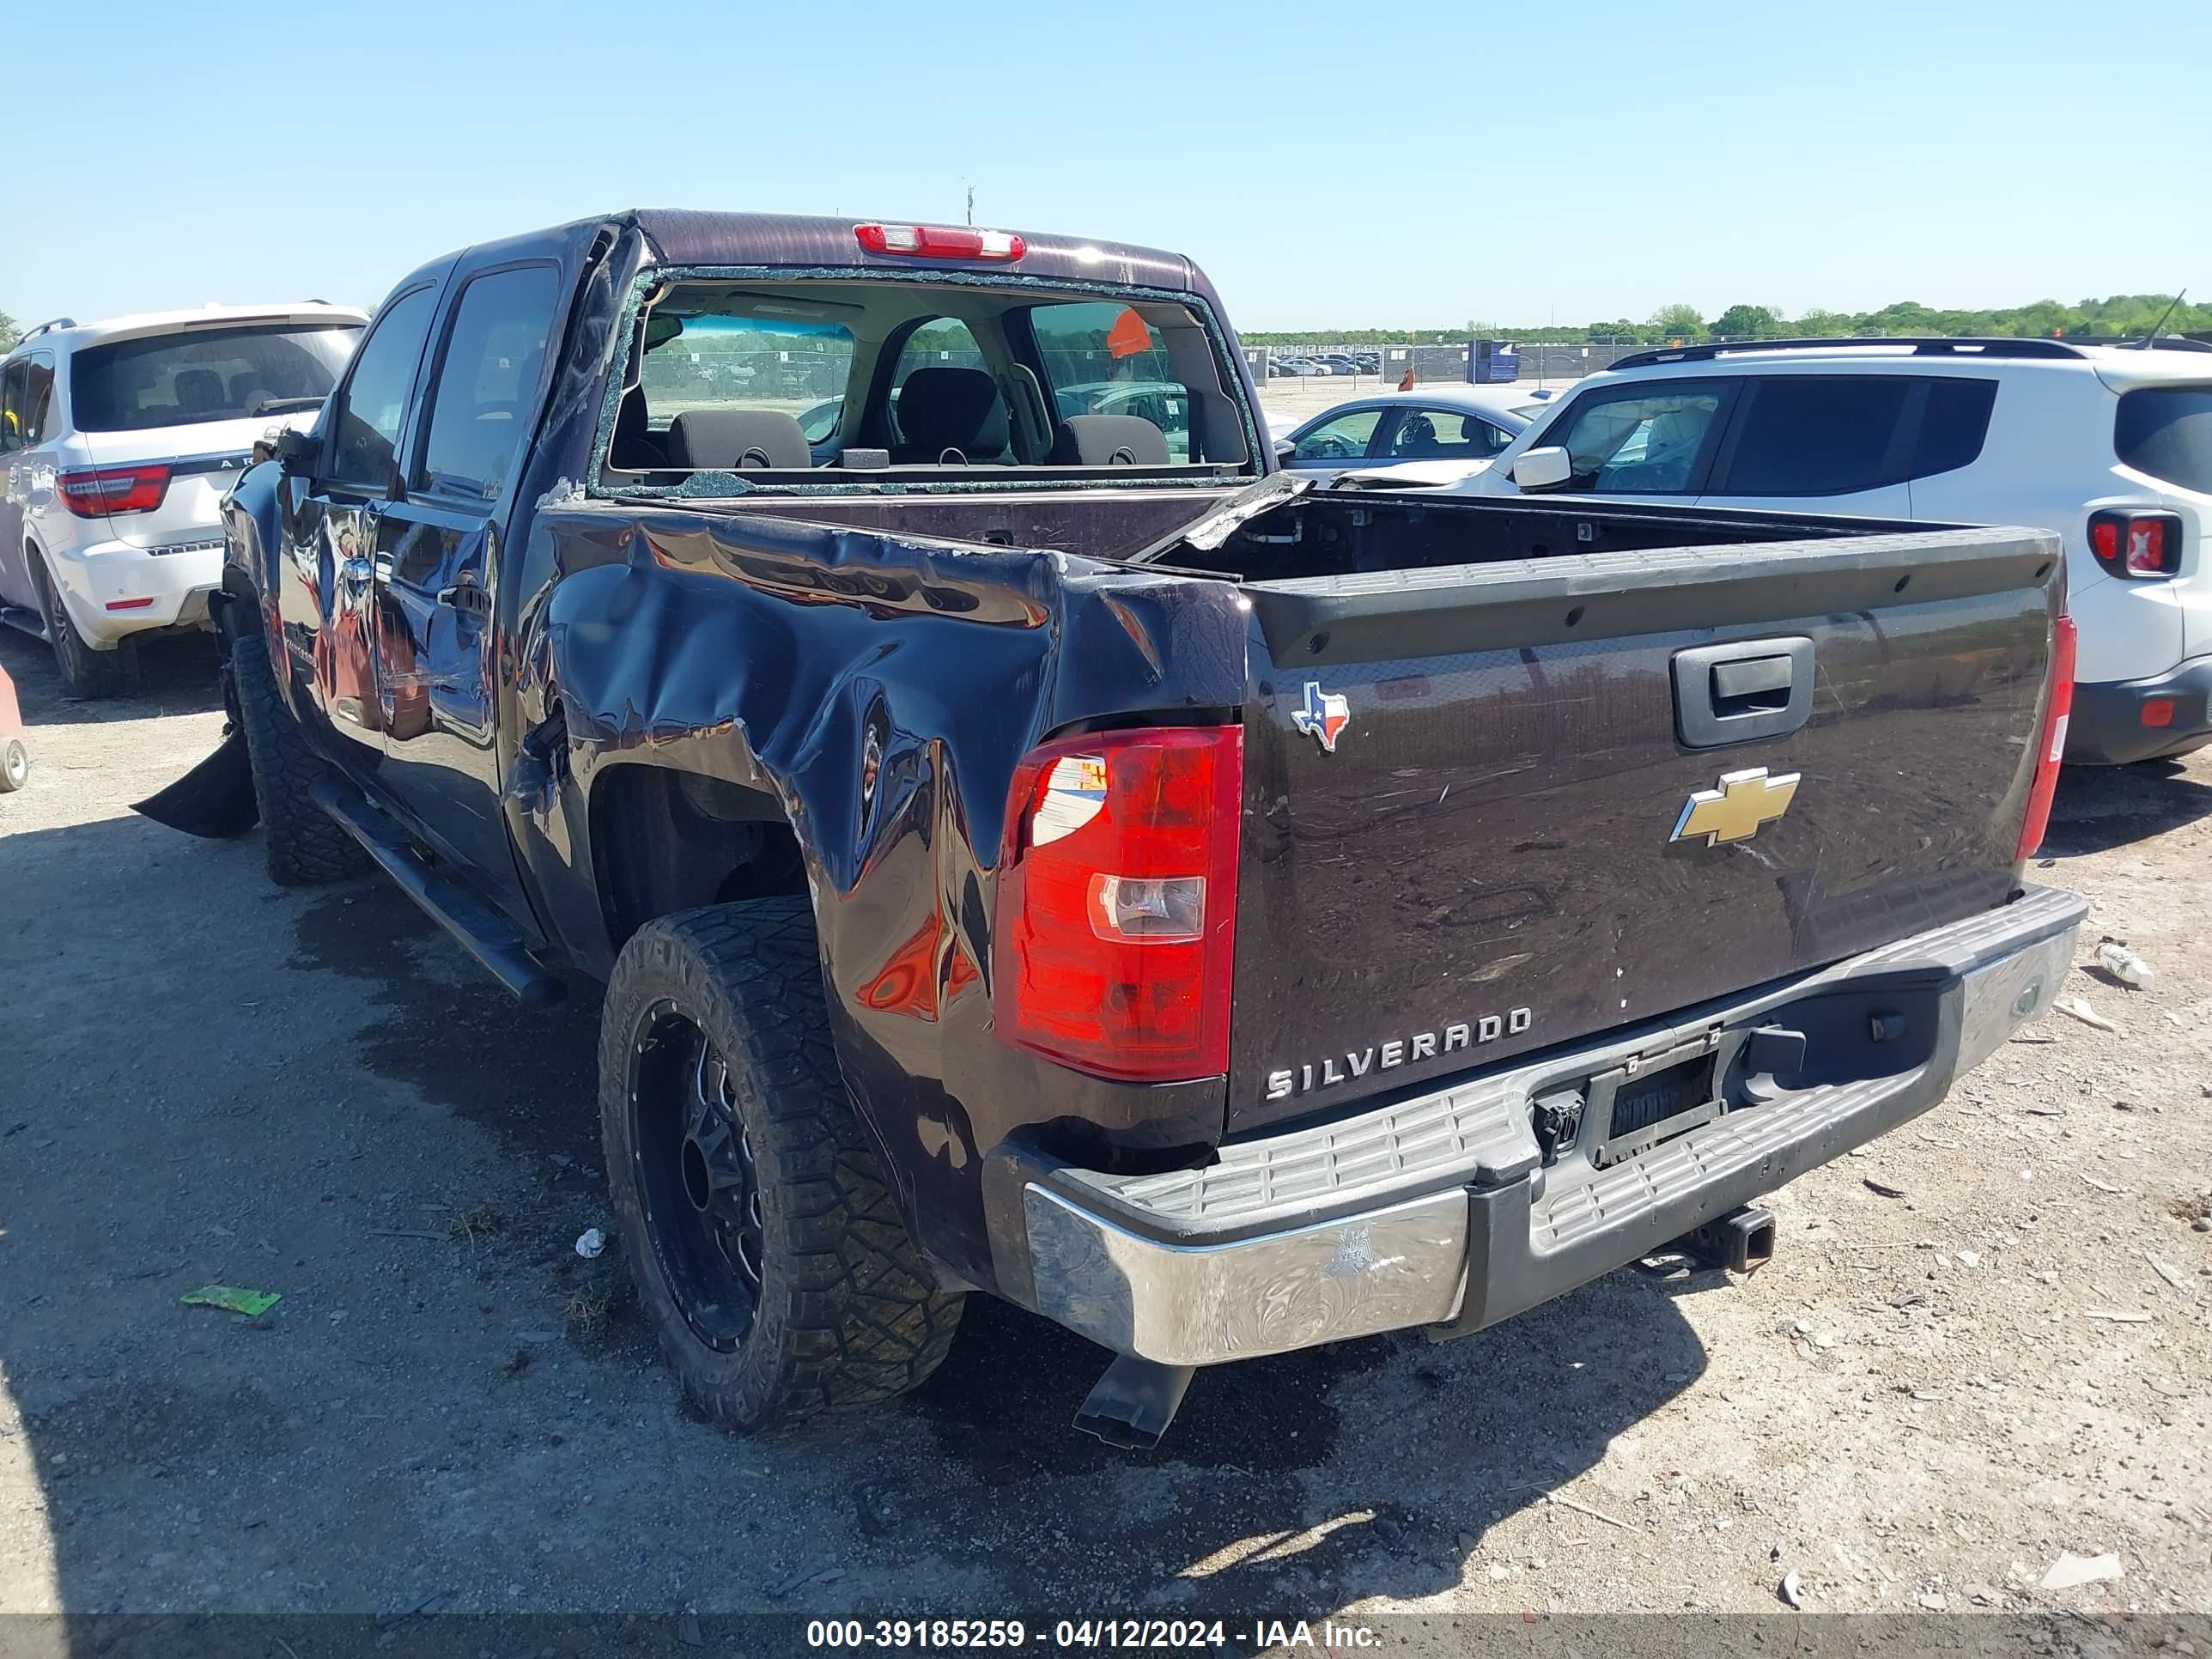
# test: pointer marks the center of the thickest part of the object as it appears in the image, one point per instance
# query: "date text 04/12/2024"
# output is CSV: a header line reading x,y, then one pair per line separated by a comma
x,y
1158,1634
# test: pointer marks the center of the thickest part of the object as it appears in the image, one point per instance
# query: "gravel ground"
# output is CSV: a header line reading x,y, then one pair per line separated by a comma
x,y
1922,1403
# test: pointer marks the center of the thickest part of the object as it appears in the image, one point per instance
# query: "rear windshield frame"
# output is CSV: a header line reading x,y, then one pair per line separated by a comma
x,y
2200,481
100,358
706,485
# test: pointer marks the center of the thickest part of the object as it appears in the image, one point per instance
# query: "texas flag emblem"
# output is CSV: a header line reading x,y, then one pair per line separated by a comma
x,y
1324,717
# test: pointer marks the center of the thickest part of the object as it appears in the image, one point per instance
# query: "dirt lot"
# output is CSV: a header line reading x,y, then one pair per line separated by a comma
x,y
1921,1403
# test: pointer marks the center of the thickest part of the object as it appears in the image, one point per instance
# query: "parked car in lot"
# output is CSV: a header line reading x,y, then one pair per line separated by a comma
x,y
1221,915
1433,434
118,438
15,754
2109,446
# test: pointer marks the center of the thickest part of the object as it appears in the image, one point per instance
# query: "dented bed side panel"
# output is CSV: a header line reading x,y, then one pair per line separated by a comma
x,y
879,691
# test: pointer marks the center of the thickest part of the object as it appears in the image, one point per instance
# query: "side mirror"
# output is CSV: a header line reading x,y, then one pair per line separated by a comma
x,y
1545,468
1285,452
296,451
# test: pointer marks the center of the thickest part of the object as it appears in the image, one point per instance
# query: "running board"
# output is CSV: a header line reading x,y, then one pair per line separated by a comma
x,y
22,616
478,929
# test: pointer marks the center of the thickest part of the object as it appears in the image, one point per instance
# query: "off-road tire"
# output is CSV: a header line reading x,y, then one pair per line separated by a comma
x,y
848,1312
303,844
87,675
15,766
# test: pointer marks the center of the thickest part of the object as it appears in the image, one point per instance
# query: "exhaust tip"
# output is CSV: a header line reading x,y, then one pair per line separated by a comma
x,y
1134,1402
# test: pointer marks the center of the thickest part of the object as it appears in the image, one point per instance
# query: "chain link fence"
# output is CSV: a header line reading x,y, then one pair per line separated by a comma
x,y
1539,365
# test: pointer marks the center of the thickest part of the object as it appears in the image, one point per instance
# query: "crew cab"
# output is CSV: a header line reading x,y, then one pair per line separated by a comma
x,y
1027,856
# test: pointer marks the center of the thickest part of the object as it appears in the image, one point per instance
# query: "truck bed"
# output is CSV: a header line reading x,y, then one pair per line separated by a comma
x,y
1491,843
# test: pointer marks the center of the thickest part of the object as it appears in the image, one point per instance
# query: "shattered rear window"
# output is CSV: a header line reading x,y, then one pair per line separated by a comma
x,y
738,383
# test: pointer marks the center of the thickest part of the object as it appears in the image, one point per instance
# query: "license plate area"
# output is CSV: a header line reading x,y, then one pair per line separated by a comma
x,y
1636,1106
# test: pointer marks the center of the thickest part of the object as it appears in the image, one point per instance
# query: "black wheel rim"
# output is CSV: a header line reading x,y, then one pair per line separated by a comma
x,y
695,1178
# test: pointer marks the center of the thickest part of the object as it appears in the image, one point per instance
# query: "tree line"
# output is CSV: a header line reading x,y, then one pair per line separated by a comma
x,y
2125,316
2129,316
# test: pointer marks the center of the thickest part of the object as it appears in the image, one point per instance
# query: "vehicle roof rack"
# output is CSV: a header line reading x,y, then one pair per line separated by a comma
x,y
49,326
2137,342
1920,347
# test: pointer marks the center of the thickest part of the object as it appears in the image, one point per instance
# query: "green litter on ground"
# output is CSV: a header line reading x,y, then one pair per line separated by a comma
x,y
231,1299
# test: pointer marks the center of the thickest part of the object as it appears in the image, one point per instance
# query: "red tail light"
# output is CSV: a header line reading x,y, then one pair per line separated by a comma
x,y
2057,710
940,241
2136,544
91,491
1117,902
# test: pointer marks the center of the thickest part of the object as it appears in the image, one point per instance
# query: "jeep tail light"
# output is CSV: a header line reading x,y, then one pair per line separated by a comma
x,y
90,491
940,241
1117,902
2057,708
2139,545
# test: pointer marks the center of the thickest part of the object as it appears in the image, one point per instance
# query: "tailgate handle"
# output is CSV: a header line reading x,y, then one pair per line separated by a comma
x,y
1749,687
1752,689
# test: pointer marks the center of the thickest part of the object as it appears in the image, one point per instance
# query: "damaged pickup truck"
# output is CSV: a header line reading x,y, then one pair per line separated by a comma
x,y
1041,852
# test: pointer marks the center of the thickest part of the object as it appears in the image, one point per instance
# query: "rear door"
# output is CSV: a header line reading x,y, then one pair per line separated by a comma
x,y
1821,443
437,565
1494,808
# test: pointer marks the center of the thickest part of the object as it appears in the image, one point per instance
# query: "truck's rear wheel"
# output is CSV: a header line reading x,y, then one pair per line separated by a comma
x,y
767,1249
302,843
15,766
87,674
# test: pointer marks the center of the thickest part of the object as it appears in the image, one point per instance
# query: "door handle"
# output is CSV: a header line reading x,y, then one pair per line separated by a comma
x,y
467,599
355,569
1727,694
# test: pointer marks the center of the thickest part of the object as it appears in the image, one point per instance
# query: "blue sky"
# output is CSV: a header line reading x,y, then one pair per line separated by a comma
x,y
1380,166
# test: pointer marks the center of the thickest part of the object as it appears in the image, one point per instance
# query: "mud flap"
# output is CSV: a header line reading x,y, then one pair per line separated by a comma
x,y
215,799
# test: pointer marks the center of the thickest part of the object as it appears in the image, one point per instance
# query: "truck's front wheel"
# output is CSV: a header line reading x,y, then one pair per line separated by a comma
x,y
767,1249
303,844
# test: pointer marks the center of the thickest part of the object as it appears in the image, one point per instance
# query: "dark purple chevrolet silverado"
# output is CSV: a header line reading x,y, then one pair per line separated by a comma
x,y
1029,846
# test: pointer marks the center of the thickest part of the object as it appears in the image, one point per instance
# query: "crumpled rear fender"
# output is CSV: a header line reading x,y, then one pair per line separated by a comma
x,y
883,691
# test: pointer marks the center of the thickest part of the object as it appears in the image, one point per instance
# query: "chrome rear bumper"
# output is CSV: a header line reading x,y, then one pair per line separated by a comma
x,y
1439,1212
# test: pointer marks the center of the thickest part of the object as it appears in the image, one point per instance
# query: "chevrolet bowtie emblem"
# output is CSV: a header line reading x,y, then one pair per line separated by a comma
x,y
1736,810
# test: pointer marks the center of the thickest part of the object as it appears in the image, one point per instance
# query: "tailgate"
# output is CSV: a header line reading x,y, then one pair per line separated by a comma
x,y
1495,808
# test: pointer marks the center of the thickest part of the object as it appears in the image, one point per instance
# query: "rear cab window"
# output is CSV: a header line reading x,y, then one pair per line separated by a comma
x,y
705,355
197,375
738,383
2166,432
1106,359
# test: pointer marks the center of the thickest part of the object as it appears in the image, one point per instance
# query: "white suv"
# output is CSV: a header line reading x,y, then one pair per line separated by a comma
x,y
2109,446
117,440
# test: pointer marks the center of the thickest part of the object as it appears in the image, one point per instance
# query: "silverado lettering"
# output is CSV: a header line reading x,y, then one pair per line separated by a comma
x,y
1388,1056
